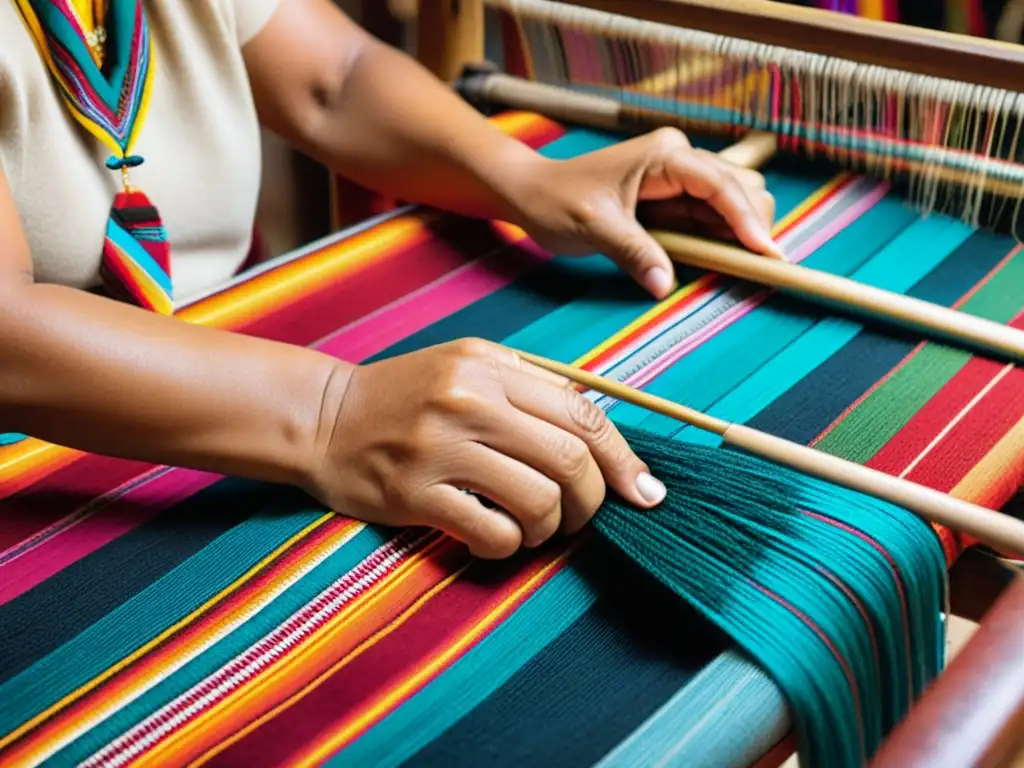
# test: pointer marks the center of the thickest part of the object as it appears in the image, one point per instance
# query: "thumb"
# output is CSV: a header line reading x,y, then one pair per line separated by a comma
x,y
622,239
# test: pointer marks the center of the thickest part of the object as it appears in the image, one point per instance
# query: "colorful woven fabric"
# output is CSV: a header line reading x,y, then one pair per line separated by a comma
x,y
159,615
106,88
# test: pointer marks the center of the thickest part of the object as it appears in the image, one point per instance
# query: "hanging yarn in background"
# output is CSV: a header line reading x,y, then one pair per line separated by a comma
x,y
952,147
836,595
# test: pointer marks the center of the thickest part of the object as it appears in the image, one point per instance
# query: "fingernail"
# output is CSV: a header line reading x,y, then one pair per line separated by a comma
x,y
658,281
651,488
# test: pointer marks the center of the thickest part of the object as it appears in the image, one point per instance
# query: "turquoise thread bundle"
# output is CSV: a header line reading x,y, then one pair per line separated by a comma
x,y
837,595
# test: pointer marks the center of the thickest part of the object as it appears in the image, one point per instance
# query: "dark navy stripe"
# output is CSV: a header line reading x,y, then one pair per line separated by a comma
x,y
528,299
588,690
807,408
50,614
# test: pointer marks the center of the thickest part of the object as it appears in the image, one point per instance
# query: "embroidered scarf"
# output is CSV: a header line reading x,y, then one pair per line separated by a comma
x,y
100,56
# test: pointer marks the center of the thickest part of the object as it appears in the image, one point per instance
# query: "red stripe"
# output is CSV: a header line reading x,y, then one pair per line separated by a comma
x,y
974,436
57,495
450,246
392,659
923,426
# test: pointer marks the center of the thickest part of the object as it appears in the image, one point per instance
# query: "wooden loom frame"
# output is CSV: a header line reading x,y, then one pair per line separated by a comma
x,y
974,714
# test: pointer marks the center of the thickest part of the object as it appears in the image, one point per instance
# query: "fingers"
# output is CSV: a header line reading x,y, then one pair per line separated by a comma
x,y
571,412
702,176
562,458
629,245
533,500
490,534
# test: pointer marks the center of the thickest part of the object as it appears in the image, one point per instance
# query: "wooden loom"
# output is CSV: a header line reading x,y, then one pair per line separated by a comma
x,y
973,716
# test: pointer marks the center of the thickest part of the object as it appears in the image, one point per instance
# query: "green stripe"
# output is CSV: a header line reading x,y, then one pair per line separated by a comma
x,y
896,268
867,429
755,343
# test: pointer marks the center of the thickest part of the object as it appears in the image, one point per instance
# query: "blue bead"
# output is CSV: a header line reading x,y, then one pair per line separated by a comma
x,y
117,163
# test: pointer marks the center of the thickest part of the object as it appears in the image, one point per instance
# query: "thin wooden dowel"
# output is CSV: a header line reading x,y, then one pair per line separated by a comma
x,y
834,291
753,151
483,86
1000,532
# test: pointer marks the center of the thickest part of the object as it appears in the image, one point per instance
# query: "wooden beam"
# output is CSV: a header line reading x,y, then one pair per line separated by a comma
x,y
966,59
973,715
450,35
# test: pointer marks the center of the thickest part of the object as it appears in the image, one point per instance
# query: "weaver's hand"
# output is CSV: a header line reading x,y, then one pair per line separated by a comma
x,y
589,204
414,432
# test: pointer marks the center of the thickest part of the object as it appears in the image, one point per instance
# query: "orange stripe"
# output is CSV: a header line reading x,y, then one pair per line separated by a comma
x,y
341,636
386,701
25,463
999,473
30,461
107,693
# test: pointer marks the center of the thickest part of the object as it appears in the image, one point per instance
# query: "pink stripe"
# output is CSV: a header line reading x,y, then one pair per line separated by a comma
x,y
355,342
107,521
446,295
744,308
852,213
839,223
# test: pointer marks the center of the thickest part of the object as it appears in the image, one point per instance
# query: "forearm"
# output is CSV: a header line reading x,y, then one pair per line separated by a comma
x,y
96,375
394,128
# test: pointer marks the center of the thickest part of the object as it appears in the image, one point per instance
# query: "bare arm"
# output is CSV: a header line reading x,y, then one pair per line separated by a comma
x,y
374,115
86,372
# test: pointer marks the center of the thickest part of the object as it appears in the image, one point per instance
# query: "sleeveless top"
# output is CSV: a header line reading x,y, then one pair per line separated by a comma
x,y
201,142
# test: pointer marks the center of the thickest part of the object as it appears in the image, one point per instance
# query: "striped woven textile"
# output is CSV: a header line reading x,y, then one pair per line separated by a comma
x,y
154,615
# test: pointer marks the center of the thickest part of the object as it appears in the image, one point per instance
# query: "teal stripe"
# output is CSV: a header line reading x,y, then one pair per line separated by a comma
x,y
898,267
738,351
122,25
221,653
137,621
54,22
139,254
492,662
697,727
12,437
573,330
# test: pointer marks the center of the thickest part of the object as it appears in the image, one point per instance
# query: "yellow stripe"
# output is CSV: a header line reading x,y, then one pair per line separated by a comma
x,y
165,635
317,646
280,286
145,282
820,194
319,753
1003,456
688,290
872,9
681,74
660,308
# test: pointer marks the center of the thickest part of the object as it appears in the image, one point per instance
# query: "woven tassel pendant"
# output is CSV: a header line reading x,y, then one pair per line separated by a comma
x,y
136,263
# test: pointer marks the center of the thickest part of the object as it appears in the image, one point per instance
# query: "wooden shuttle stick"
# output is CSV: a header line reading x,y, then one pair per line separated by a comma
x,y
1001,532
840,292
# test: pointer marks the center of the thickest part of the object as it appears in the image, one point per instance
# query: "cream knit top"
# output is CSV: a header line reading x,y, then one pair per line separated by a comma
x,y
200,141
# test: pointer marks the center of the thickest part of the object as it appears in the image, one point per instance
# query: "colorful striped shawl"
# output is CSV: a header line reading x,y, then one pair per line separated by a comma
x,y
160,616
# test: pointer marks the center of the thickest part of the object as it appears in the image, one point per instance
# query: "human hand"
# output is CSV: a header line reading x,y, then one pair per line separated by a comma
x,y
590,203
414,432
